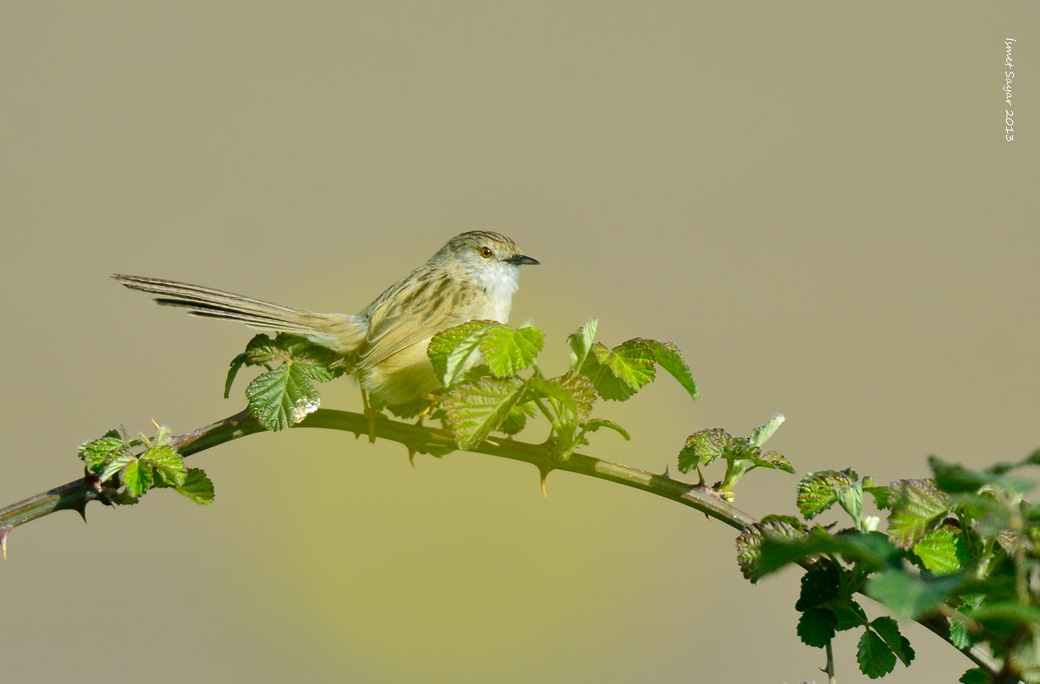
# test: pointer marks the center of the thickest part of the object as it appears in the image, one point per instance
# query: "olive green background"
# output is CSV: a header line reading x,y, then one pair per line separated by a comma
x,y
814,200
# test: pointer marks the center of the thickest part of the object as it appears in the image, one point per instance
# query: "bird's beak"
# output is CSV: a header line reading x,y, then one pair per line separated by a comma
x,y
521,260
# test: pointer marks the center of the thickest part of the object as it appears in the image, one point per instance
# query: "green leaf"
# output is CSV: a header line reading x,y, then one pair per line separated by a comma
x,y
197,487
475,409
137,478
875,658
918,507
167,464
888,630
262,349
975,675
516,419
671,359
98,452
581,343
597,423
749,542
816,627
113,467
762,433
573,393
960,636
850,498
507,351
954,478
704,446
941,551
869,548
909,596
820,585
283,397
774,460
619,373
453,350
1006,616
882,495
816,491
236,365
103,446
850,615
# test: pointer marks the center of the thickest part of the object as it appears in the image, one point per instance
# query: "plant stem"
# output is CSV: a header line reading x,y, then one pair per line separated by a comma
x,y
831,677
75,495
420,439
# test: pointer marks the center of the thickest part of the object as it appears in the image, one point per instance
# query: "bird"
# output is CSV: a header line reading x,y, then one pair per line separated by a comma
x,y
472,277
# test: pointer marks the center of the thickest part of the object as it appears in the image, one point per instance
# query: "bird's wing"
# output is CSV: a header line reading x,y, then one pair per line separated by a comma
x,y
415,309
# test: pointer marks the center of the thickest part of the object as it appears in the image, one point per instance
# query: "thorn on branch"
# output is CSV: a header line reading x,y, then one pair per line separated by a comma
x,y
4,531
543,472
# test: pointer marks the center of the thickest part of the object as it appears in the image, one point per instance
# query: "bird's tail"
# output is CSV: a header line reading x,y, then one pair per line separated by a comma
x,y
342,333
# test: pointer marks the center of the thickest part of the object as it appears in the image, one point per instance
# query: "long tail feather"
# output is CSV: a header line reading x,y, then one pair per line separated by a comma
x,y
340,332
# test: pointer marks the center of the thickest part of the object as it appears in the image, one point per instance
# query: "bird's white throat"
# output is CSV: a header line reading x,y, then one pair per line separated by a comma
x,y
500,281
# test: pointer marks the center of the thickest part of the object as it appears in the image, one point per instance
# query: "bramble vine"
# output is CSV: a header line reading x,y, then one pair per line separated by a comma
x,y
959,552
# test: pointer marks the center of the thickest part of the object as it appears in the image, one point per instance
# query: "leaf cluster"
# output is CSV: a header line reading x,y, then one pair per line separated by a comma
x,y
490,381
742,454
126,469
961,547
285,394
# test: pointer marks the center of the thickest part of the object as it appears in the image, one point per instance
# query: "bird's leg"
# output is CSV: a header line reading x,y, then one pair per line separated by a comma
x,y
371,415
425,412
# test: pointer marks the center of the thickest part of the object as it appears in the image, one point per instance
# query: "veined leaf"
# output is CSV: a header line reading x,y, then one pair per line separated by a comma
x,y
97,453
167,464
942,551
671,359
816,491
888,630
138,477
574,394
918,507
619,373
704,446
882,494
516,419
507,351
749,542
197,487
475,409
453,350
850,615
597,423
816,626
283,397
311,360
581,343
875,658
762,433
773,459
113,467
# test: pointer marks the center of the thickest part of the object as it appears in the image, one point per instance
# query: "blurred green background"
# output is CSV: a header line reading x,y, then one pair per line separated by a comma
x,y
814,200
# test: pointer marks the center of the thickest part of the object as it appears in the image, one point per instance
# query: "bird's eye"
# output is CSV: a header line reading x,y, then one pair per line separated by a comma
x,y
486,252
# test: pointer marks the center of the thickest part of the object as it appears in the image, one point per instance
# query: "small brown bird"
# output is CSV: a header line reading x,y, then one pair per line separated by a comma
x,y
472,277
